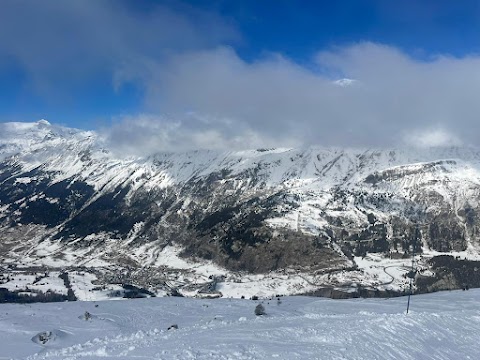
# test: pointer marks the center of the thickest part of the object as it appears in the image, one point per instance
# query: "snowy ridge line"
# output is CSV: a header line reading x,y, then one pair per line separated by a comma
x,y
276,165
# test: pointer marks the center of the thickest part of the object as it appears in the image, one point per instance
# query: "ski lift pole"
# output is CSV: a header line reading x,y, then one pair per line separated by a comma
x,y
412,271
411,285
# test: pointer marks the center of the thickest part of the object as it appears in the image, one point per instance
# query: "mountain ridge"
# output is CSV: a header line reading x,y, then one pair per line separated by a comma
x,y
66,199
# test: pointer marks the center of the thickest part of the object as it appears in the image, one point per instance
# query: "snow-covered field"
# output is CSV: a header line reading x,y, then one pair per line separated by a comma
x,y
439,326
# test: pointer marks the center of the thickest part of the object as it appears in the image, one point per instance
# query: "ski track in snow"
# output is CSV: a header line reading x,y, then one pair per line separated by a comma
x,y
440,326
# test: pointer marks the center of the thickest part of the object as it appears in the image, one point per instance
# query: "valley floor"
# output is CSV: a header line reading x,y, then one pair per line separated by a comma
x,y
439,326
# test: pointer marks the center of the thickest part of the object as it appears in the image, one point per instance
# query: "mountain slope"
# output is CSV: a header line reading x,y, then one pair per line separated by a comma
x,y
308,218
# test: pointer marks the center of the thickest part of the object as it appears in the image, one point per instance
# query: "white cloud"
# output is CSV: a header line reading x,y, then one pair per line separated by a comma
x,y
435,137
147,134
345,82
284,103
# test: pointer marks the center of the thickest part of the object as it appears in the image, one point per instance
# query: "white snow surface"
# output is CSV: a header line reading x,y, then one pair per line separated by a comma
x,y
438,326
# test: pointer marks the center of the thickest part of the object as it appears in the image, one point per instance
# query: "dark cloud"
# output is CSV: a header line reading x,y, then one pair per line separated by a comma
x,y
60,43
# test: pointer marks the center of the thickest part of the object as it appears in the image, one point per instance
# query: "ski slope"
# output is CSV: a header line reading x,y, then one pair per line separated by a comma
x,y
440,326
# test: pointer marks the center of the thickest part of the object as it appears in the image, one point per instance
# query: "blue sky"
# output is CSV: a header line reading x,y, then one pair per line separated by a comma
x,y
191,67
300,28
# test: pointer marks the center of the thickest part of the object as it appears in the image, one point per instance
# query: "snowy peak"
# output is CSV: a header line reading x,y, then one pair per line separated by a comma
x,y
19,139
43,122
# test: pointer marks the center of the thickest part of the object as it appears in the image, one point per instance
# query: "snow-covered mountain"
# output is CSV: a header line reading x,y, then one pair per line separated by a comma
x,y
265,221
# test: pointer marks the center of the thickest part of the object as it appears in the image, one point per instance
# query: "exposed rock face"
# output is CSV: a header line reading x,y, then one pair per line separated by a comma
x,y
65,197
451,273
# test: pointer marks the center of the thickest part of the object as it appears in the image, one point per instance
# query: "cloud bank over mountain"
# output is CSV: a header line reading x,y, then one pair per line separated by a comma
x,y
395,99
